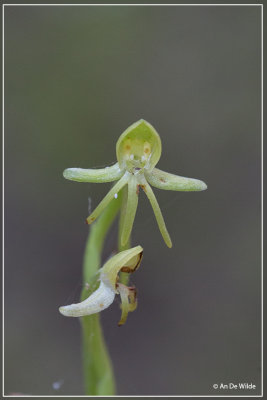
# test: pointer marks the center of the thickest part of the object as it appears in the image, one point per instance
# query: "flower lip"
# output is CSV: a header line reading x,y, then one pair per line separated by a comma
x,y
138,147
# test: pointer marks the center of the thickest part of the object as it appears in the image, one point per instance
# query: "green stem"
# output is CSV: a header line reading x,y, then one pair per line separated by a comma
x,y
98,372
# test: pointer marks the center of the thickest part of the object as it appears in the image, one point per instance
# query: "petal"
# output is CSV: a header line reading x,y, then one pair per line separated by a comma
x,y
109,196
128,301
98,301
132,298
153,201
166,181
130,211
108,174
130,258
133,264
124,197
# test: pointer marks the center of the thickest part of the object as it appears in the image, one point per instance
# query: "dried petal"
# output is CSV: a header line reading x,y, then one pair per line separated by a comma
x,y
128,301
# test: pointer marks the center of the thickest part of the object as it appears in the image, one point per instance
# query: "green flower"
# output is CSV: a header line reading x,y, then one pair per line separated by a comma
x,y
138,151
126,261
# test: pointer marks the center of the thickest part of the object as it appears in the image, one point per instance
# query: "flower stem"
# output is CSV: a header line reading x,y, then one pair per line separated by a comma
x,y
97,367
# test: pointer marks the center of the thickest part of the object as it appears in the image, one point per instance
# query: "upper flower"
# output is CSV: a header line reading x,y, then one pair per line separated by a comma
x,y
138,151
126,261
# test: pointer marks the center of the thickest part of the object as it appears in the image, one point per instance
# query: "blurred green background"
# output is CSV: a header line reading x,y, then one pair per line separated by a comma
x,y
75,79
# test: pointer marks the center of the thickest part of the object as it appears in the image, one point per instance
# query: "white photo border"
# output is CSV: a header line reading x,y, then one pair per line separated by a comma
x,y
3,140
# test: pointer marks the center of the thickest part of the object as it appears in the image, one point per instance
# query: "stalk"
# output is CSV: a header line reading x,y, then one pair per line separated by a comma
x,y
97,366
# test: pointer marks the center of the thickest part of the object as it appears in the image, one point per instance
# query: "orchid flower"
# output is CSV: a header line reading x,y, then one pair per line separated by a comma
x,y
126,261
138,151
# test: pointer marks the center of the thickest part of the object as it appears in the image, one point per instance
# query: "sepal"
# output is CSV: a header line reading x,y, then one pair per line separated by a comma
x,y
167,181
108,174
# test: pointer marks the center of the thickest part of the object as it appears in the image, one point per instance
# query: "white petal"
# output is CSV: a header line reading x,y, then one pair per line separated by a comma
x,y
98,301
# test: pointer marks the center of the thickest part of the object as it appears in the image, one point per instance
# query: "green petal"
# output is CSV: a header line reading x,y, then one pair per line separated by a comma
x,y
153,201
166,181
124,197
111,194
108,174
132,201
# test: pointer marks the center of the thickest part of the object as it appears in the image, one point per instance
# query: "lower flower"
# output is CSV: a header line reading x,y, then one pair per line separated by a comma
x,y
125,261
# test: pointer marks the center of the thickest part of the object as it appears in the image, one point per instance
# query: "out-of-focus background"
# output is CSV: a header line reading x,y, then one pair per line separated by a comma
x,y
75,79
